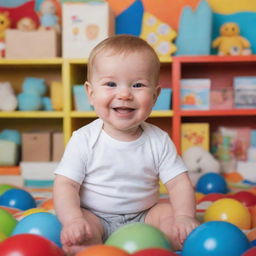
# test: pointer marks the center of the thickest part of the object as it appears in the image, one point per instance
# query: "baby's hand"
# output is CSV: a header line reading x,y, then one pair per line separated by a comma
x,y
75,232
182,226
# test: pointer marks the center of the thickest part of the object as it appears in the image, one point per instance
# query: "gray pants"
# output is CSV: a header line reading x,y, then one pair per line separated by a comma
x,y
111,222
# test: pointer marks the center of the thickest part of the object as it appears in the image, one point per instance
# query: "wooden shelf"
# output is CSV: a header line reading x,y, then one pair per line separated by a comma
x,y
220,70
233,112
32,114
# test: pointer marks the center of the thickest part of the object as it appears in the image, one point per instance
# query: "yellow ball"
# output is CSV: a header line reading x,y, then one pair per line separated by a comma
x,y
230,210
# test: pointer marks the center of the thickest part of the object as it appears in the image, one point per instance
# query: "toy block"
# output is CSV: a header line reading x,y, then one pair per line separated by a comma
x,y
84,26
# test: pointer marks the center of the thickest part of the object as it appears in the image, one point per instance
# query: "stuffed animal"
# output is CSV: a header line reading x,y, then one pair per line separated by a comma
x,y
49,18
230,42
199,161
8,100
26,24
32,96
5,23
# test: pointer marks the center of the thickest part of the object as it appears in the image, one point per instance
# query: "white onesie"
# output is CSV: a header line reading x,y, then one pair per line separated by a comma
x,y
119,177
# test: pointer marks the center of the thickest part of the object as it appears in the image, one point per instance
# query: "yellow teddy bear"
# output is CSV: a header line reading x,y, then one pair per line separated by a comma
x,y
230,42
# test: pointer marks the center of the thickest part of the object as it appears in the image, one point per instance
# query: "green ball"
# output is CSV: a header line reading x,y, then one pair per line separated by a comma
x,y
7,222
137,236
2,237
5,187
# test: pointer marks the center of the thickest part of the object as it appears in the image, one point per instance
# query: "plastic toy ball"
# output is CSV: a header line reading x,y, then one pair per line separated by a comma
x,y
102,250
229,210
216,238
137,236
28,245
211,197
7,222
253,243
245,197
5,187
154,252
250,252
2,237
211,183
42,223
17,198
48,204
21,215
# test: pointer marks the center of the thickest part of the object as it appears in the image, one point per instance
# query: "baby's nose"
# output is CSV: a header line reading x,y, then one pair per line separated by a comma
x,y
124,92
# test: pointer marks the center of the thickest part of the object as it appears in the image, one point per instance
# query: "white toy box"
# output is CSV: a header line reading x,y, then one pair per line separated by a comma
x,y
84,26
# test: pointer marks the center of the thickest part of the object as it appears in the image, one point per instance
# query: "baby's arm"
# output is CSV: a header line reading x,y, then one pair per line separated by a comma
x,y
182,198
67,206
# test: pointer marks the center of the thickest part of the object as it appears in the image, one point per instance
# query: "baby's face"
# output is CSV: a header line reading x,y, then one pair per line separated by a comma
x,y
123,90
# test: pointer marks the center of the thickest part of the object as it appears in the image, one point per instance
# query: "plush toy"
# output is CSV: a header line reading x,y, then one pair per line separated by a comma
x,y
49,19
26,24
199,161
8,100
230,42
5,23
32,96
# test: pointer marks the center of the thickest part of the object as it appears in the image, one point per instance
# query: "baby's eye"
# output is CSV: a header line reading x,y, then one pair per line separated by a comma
x,y
111,84
138,85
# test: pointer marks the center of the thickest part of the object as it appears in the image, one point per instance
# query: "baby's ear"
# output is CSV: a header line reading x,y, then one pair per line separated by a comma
x,y
157,92
89,91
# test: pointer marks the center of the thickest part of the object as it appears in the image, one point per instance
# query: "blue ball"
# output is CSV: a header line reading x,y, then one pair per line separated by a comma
x,y
253,243
17,198
41,223
211,183
216,238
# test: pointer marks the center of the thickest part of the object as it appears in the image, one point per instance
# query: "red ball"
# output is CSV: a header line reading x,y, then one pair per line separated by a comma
x,y
212,197
29,244
154,252
250,252
245,197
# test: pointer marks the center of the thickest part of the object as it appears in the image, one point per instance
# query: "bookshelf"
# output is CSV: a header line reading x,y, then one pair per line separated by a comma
x,y
221,71
69,72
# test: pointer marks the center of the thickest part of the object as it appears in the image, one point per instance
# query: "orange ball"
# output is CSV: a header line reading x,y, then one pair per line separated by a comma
x,y
230,210
102,250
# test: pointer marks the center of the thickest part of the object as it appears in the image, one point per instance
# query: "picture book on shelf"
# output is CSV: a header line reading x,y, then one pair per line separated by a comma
x,y
245,92
231,143
195,94
194,134
221,98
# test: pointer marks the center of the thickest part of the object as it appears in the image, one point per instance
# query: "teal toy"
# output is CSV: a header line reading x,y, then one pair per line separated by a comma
x,y
29,101
34,85
11,135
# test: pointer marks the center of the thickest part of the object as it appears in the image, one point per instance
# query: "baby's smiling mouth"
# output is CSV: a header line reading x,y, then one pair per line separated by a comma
x,y
123,110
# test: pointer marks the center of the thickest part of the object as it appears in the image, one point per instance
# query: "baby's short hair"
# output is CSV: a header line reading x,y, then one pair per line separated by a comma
x,y
123,44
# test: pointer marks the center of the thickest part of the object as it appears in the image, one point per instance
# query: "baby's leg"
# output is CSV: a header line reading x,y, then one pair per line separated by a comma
x,y
97,234
161,217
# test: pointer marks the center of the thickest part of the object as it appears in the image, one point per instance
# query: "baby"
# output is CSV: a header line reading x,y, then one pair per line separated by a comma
x,y
110,171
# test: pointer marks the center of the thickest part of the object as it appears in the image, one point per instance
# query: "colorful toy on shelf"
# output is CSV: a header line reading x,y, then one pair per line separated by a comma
x,y
32,96
5,23
49,18
159,35
230,42
199,161
26,24
195,28
8,100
